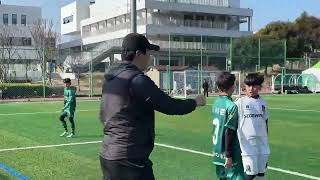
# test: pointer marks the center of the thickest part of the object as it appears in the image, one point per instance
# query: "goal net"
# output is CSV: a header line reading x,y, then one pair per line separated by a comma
x,y
189,83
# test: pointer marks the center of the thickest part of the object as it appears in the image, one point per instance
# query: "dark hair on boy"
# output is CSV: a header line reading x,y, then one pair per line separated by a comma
x,y
253,79
225,81
67,80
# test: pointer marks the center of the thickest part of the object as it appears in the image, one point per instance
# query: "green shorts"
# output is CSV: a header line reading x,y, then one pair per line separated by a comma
x,y
234,173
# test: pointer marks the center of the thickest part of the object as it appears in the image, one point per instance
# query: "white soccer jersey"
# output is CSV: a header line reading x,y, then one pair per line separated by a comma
x,y
252,127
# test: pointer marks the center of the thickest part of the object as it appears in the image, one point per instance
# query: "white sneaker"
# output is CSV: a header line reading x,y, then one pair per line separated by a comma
x,y
64,134
70,135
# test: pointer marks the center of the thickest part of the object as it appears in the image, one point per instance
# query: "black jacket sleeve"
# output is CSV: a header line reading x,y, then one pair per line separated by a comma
x,y
144,88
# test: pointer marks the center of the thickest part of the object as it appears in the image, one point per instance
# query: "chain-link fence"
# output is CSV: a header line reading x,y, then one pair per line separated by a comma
x,y
38,73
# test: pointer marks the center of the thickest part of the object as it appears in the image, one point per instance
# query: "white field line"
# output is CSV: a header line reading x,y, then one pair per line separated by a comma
x,y
287,109
44,112
160,145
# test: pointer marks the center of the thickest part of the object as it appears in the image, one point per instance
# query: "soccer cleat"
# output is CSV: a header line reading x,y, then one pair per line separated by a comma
x,y
64,134
70,135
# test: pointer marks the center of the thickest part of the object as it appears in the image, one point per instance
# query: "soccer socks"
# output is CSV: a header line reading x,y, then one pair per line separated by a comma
x,y
72,124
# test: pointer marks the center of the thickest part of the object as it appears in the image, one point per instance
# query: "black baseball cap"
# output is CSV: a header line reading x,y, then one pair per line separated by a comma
x,y
135,42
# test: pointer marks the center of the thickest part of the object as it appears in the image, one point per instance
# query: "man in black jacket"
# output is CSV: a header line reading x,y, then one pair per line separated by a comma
x,y
128,106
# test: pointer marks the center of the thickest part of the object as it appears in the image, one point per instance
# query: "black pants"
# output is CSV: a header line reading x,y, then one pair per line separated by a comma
x,y
206,93
126,169
64,123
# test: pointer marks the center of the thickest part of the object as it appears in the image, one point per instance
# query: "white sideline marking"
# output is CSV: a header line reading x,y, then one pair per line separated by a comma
x,y
43,102
157,144
211,155
48,146
92,110
287,109
45,112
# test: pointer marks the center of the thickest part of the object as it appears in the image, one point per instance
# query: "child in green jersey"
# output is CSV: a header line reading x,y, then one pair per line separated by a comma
x,y
69,108
227,153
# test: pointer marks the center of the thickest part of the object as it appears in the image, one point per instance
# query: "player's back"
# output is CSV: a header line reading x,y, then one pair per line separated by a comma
x,y
224,116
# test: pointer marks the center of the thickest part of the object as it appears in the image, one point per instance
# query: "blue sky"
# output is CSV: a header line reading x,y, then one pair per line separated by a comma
x,y
265,11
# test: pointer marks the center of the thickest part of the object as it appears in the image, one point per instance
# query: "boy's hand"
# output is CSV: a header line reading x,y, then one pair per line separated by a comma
x,y
228,163
201,100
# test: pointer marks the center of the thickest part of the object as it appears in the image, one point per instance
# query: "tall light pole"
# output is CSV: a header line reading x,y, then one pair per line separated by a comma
x,y
133,16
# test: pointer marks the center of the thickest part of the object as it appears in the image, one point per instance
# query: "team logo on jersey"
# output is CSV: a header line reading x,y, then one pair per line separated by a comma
x,y
253,115
222,112
247,107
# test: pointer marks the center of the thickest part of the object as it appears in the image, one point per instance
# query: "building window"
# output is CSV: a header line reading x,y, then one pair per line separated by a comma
x,y
5,19
68,19
26,41
94,27
24,20
14,19
86,29
102,24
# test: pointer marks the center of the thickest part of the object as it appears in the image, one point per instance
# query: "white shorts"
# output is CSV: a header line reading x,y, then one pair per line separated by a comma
x,y
255,164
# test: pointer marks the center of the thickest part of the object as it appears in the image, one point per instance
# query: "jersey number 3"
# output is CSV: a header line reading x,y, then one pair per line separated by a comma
x,y
216,123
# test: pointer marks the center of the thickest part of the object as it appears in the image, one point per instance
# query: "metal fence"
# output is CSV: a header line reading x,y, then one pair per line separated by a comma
x,y
38,73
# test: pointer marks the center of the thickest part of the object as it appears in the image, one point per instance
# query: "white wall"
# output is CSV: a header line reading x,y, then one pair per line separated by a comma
x,y
112,8
79,9
111,35
69,10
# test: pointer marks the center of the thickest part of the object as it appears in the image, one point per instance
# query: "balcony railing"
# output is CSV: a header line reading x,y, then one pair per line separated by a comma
x,y
221,3
218,47
156,20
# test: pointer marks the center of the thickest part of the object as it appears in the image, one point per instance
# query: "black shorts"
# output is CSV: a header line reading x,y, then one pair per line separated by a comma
x,y
127,169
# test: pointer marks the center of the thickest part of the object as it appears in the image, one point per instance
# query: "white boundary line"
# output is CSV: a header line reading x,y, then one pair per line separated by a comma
x,y
160,145
43,102
287,109
45,112
49,146
92,110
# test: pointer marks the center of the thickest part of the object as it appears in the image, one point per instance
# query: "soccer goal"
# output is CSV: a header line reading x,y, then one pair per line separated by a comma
x,y
188,83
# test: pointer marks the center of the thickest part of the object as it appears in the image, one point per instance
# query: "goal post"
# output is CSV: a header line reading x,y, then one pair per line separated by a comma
x,y
188,83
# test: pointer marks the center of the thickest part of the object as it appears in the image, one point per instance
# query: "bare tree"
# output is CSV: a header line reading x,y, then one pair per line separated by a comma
x,y
44,37
24,59
7,51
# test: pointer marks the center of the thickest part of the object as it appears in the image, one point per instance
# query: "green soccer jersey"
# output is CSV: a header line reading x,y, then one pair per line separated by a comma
x,y
69,100
225,115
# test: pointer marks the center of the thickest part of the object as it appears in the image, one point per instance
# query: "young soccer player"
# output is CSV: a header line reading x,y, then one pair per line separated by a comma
x,y
69,108
253,129
227,154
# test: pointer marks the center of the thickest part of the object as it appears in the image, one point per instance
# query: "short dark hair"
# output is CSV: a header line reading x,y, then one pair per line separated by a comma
x,y
129,55
253,79
67,80
225,81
